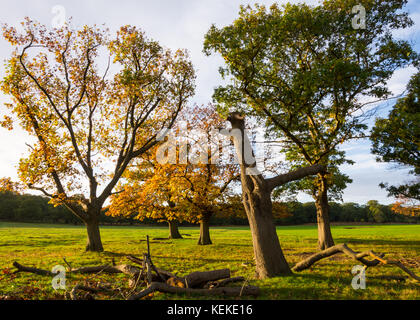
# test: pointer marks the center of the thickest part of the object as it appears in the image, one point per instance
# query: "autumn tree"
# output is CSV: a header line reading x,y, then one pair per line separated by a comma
x,y
211,168
303,71
150,191
93,103
183,179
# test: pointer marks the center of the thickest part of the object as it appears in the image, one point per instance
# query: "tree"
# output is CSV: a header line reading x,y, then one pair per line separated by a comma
x,y
375,212
180,180
210,171
396,139
256,198
90,124
151,191
302,71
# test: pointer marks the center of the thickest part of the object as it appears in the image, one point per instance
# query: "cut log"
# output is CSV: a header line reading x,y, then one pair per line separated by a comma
x,y
176,282
221,291
198,278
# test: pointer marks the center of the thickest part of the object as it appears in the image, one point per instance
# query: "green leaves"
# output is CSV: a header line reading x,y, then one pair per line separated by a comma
x,y
302,70
396,139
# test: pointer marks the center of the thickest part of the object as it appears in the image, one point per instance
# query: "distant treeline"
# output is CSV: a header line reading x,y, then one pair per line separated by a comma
x,y
33,208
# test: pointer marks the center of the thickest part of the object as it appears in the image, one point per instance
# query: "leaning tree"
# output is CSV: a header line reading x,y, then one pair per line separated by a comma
x,y
304,72
93,104
256,198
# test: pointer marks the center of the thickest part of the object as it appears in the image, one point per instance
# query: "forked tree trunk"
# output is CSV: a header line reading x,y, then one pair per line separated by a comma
x,y
173,230
256,196
94,242
205,231
325,239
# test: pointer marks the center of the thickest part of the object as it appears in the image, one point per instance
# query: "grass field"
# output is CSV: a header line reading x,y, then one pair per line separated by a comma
x,y
44,246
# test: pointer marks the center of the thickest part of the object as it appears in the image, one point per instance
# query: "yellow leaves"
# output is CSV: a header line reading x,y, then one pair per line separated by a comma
x,y
406,207
6,184
7,123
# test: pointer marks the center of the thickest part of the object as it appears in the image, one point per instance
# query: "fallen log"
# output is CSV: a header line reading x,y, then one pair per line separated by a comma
x,y
221,291
96,269
221,283
122,268
358,256
80,287
41,272
199,278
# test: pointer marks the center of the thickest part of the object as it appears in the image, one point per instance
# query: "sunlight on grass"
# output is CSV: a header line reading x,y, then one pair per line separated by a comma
x,y
44,246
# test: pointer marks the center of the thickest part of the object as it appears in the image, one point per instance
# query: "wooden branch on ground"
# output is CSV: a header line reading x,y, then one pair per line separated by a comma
x,y
221,291
41,272
358,256
80,287
122,268
221,283
166,274
198,278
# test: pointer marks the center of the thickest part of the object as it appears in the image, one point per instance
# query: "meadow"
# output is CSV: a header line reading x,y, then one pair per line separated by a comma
x,y
45,246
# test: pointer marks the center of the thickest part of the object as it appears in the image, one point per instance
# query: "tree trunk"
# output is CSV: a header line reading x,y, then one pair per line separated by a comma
x,y
325,239
173,230
94,242
256,197
268,255
205,231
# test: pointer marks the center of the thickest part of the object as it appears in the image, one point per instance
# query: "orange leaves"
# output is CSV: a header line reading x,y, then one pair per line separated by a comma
x,y
90,124
184,190
6,184
407,207
7,123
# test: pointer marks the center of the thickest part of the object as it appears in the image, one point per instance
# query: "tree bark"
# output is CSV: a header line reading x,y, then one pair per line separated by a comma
x,y
94,242
325,239
268,255
173,230
205,231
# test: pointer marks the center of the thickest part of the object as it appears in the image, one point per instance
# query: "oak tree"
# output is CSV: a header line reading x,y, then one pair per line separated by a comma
x,y
94,103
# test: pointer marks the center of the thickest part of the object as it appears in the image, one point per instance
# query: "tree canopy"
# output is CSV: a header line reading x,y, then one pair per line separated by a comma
x,y
94,103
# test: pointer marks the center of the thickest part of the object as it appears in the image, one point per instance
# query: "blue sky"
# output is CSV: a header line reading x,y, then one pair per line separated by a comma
x,y
182,24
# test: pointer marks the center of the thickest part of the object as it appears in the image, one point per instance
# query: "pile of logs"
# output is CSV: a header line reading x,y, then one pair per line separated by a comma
x,y
146,276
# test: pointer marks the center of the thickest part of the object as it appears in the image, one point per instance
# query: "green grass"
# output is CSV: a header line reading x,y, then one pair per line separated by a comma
x,y
44,246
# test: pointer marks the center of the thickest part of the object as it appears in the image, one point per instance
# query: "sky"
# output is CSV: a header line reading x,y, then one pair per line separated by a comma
x,y
183,24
